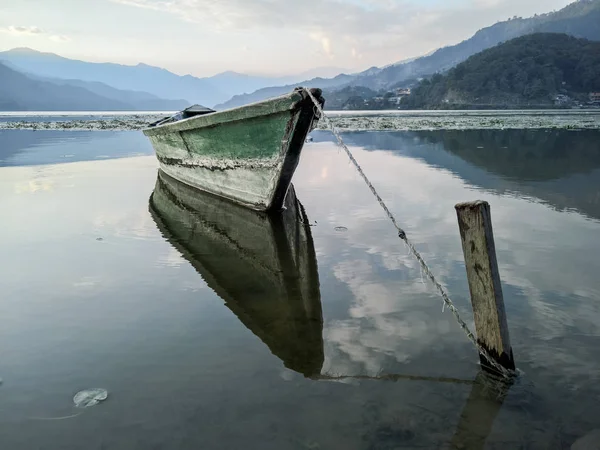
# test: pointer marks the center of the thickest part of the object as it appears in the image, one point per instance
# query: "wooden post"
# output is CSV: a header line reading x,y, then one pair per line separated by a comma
x,y
475,223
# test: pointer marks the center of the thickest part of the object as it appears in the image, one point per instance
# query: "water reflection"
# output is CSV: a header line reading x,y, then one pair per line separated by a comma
x,y
264,268
29,147
524,155
262,265
479,413
130,314
555,166
560,168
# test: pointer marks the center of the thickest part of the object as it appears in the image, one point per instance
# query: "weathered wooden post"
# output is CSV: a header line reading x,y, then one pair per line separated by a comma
x,y
475,223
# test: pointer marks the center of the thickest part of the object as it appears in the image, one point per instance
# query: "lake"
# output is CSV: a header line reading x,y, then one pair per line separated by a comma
x,y
339,342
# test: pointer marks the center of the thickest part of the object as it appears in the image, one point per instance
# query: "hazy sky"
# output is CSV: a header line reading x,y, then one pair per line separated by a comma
x,y
203,37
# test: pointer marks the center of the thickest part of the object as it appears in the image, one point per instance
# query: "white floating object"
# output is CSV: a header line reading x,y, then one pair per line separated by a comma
x,y
90,397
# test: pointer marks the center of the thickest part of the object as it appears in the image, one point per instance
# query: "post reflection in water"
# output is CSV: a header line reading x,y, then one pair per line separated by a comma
x,y
262,265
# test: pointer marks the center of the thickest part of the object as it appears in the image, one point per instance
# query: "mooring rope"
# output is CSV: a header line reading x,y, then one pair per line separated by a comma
x,y
390,377
402,234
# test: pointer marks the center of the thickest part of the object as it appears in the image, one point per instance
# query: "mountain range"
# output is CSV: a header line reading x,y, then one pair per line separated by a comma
x,y
19,92
525,72
580,19
63,83
158,82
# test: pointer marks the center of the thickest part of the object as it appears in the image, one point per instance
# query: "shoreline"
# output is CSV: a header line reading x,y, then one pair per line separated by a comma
x,y
345,121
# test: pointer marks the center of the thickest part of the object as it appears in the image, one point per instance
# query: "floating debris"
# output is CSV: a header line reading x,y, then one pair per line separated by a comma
x,y
475,120
99,123
361,121
341,229
90,397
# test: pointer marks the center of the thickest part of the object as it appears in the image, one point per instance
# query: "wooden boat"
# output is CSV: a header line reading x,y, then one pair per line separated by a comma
x,y
262,265
247,154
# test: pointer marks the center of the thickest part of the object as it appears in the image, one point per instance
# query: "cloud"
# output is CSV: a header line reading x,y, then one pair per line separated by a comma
x,y
33,31
59,38
395,28
28,31
325,43
314,16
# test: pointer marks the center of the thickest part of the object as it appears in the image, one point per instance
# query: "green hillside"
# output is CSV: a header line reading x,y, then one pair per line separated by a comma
x,y
529,71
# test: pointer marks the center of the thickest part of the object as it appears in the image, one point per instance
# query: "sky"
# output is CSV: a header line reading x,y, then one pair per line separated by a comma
x,y
270,37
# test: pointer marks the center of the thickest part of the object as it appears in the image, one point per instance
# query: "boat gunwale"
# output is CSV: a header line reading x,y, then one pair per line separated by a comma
x,y
288,102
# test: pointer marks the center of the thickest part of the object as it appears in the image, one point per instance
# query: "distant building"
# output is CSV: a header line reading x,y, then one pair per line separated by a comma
x,y
398,95
401,92
595,97
561,99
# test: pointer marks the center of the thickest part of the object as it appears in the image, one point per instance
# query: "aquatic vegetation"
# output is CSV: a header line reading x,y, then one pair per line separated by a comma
x,y
361,121
416,121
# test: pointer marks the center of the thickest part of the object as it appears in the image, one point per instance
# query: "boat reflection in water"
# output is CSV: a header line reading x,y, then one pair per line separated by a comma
x,y
262,265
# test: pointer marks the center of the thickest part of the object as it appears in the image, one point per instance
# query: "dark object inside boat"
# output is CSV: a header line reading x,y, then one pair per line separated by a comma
x,y
192,111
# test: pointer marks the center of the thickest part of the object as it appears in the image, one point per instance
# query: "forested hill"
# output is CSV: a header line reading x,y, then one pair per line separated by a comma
x,y
528,71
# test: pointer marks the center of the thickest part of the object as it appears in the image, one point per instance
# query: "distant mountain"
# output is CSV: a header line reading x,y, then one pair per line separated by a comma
x,y
580,19
19,92
233,83
142,77
238,83
399,63
265,93
159,82
138,101
527,71
318,72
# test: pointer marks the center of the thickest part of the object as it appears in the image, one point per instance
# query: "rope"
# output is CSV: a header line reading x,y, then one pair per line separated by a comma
x,y
390,377
402,234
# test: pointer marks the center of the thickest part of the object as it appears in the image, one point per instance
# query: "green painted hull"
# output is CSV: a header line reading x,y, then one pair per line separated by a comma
x,y
263,265
247,155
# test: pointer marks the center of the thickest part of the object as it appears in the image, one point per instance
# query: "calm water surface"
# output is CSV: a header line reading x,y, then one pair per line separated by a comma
x,y
322,337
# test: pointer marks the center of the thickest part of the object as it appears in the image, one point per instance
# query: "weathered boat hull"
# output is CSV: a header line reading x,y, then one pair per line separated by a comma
x,y
247,155
262,265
